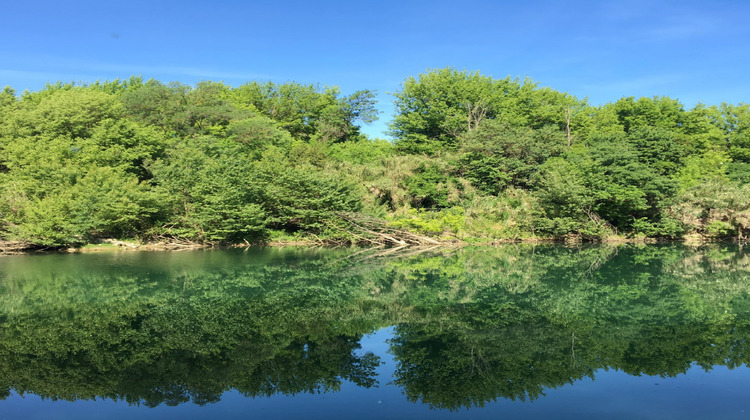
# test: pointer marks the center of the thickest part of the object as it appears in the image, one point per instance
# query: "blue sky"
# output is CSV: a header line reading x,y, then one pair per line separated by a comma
x,y
694,51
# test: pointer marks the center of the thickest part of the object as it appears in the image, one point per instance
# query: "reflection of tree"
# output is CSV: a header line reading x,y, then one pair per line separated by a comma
x,y
140,355
474,324
641,310
261,330
455,368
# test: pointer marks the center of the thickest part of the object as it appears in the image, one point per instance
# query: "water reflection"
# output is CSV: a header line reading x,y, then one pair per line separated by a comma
x,y
472,325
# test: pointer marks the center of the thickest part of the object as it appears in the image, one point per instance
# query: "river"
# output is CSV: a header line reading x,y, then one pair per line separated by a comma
x,y
513,331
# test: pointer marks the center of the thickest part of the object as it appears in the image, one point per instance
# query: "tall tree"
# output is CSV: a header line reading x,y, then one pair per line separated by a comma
x,y
309,112
436,108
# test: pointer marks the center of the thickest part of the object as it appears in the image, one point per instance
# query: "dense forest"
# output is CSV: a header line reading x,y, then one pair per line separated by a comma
x,y
473,159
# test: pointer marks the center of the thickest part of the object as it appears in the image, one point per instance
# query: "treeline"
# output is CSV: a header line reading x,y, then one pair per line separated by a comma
x,y
473,158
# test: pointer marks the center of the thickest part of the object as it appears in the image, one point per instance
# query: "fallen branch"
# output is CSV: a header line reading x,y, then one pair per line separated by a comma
x,y
376,231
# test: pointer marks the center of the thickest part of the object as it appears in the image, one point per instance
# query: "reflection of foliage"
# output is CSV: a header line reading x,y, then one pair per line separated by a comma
x,y
260,330
454,368
509,322
473,325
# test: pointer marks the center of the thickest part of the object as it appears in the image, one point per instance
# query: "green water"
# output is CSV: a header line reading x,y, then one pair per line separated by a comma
x,y
457,332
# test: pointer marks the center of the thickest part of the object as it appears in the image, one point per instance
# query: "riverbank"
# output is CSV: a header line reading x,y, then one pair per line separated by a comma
x,y
117,245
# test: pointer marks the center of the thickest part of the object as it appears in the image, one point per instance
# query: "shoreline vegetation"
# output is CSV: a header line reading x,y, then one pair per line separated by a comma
x,y
474,159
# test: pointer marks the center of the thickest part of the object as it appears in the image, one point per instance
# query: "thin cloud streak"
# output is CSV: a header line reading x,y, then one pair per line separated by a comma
x,y
70,68
639,86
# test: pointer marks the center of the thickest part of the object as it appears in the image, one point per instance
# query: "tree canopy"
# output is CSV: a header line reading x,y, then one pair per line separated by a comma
x,y
472,158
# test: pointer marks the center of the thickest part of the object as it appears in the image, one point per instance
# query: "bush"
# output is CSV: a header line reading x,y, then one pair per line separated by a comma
x,y
446,221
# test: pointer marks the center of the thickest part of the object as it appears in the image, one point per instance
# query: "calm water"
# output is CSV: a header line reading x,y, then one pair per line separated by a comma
x,y
503,332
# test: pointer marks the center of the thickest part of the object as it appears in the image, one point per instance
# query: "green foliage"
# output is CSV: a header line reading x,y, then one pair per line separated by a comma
x,y
719,229
303,196
70,113
628,187
219,164
362,152
74,169
214,194
180,110
43,221
7,97
507,216
107,203
667,227
128,158
385,180
701,168
563,188
452,221
73,128
734,122
435,109
432,187
657,112
257,133
739,172
715,208
657,148
439,107
103,203
496,156
568,200
309,112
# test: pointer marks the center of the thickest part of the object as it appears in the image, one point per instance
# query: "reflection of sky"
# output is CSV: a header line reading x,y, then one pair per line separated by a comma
x,y
718,394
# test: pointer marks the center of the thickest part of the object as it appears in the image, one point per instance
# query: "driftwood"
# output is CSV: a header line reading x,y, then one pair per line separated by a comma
x,y
376,232
166,242
14,247
400,252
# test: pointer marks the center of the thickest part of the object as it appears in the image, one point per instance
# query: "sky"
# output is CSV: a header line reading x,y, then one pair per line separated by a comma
x,y
693,51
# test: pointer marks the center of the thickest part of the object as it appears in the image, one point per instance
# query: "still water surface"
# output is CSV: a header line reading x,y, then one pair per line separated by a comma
x,y
518,331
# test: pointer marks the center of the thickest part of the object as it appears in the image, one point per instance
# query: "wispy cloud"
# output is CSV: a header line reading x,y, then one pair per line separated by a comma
x,y
661,21
640,82
684,26
53,68
32,80
638,86
199,72
625,10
